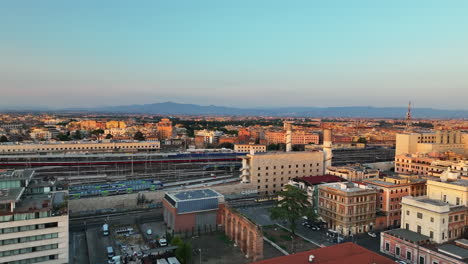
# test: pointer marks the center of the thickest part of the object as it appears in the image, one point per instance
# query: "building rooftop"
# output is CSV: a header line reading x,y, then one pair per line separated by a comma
x,y
10,195
408,235
337,254
314,180
459,182
462,241
454,251
16,175
198,194
347,187
431,201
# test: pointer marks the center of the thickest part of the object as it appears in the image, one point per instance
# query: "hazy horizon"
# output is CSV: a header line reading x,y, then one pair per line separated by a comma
x,y
239,54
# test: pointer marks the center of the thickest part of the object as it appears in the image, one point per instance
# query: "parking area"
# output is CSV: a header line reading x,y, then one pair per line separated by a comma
x,y
78,247
128,236
97,245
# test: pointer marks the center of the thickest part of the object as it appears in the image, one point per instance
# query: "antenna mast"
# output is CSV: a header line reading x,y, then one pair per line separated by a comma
x,y
408,117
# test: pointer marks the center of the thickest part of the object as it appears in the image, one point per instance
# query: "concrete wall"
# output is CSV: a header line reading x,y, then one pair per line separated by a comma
x,y
129,201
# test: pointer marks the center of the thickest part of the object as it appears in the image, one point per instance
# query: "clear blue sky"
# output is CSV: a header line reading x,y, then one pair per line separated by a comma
x,y
234,53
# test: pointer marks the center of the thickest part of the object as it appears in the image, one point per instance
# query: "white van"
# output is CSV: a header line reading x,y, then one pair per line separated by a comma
x,y
173,260
105,229
162,261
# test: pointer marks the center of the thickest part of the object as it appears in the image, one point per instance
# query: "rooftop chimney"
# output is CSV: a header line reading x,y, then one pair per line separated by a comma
x,y
288,128
311,258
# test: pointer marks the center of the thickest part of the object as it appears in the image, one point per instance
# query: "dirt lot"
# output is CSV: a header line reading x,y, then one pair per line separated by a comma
x,y
283,239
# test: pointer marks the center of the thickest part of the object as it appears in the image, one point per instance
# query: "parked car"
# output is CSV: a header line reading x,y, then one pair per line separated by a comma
x,y
400,262
372,234
162,242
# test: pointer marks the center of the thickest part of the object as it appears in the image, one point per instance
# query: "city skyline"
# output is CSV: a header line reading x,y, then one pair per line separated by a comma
x,y
243,54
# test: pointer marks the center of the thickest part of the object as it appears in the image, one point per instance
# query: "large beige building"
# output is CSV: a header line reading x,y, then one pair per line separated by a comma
x,y
78,147
438,141
353,173
33,225
269,172
249,148
441,215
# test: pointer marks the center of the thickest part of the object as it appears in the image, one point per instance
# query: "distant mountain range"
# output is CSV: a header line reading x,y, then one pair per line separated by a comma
x,y
171,108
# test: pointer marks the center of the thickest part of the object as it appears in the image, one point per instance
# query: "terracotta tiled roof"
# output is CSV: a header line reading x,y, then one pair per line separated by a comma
x,y
346,253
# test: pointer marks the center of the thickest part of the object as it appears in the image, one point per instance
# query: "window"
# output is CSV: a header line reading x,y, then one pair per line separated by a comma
x,y
387,246
419,229
431,234
421,260
420,215
397,251
432,219
408,255
407,212
458,200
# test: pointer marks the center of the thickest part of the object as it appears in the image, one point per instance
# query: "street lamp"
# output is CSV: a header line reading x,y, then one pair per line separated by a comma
x,y
200,254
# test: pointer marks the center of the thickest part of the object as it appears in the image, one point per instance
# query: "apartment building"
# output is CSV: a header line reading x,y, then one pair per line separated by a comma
x,y
33,221
310,186
41,134
391,191
441,215
165,129
249,147
353,173
297,137
348,208
270,171
438,141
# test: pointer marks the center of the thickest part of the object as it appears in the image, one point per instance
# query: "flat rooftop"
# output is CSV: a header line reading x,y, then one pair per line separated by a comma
x,y
432,201
11,195
408,235
347,187
459,182
16,175
188,195
314,180
454,251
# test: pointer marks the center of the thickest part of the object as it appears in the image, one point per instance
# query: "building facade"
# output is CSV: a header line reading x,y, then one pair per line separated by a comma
x,y
249,147
441,215
78,147
391,190
348,208
165,129
438,141
353,173
269,172
187,211
33,221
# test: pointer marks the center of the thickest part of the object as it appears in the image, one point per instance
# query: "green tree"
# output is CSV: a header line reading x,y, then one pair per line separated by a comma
x,y
63,137
292,205
97,132
3,138
362,140
109,136
139,136
77,135
183,251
